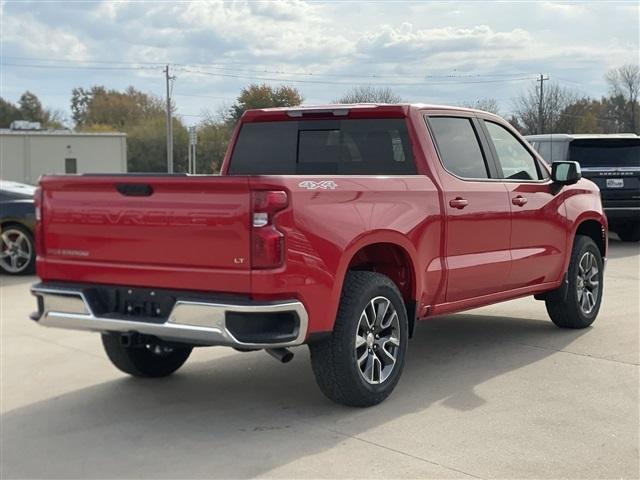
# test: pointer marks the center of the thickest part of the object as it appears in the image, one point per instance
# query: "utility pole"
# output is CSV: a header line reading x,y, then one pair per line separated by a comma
x,y
168,78
193,142
542,79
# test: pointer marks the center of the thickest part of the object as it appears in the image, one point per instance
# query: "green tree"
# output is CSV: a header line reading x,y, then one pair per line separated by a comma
x,y
369,94
264,96
80,100
141,116
112,107
31,107
147,146
213,140
8,113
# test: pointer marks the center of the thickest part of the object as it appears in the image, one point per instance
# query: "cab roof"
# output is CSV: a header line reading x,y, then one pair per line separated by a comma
x,y
567,137
350,110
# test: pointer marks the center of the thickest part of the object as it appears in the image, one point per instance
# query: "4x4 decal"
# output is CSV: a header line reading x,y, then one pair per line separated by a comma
x,y
324,185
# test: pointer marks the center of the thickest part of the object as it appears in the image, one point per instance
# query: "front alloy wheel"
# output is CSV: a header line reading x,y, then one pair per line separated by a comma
x,y
588,283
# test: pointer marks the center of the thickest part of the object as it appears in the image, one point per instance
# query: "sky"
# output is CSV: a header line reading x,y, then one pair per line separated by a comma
x,y
428,52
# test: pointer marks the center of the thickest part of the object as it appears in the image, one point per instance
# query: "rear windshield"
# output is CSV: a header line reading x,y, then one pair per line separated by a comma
x,y
606,152
323,147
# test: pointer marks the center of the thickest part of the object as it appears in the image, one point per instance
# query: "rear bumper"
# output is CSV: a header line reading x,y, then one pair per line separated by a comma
x,y
242,324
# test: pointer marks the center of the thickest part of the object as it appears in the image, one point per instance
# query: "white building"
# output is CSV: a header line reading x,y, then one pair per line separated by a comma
x,y
27,154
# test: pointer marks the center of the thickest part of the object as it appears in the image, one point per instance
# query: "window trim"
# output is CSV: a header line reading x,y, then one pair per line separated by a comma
x,y
539,168
489,161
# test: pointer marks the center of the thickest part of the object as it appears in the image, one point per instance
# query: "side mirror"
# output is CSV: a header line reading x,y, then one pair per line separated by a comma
x,y
565,173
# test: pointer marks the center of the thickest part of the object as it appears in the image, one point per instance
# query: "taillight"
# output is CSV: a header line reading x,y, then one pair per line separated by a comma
x,y
38,234
267,242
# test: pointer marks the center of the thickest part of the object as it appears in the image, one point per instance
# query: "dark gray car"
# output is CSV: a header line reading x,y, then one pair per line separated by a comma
x,y
17,222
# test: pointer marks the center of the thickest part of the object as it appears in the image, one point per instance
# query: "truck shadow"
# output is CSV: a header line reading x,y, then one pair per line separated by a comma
x,y
244,415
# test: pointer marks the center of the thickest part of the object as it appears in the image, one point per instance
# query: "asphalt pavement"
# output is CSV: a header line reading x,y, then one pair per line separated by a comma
x,y
497,392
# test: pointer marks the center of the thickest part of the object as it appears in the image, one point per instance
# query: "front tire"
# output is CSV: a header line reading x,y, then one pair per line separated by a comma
x,y
361,362
148,360
579,307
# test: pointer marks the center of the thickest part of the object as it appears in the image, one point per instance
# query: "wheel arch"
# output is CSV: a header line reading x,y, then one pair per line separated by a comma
x,y
9,221
593,226
594,229
391,254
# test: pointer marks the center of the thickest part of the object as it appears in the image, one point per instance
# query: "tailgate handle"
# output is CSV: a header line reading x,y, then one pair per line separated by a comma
x,y
135,189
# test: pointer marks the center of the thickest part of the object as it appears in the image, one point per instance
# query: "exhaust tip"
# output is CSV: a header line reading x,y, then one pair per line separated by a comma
x,y
283,355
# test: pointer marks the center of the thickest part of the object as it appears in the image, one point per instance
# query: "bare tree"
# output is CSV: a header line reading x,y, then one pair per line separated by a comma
x,y
369,94
554,101
625,81
490,105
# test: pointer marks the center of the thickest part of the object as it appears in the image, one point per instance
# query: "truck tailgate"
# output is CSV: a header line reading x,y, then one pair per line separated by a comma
x,y
163,223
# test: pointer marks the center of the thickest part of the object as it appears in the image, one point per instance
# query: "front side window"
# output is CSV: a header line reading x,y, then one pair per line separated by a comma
x,y
458,147
516,161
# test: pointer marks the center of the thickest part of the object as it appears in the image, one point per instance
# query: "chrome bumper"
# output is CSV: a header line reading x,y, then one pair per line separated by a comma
x,y
193,322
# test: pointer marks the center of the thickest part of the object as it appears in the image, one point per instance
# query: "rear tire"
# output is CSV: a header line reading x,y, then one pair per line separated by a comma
x,y
579,307
361,362
150,360
629,232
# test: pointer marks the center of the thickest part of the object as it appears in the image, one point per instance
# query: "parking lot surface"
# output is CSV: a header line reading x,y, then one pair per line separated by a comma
x,y
495,392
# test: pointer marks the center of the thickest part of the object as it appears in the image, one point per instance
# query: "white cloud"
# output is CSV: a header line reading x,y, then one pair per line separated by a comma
x,y
41,40
577,41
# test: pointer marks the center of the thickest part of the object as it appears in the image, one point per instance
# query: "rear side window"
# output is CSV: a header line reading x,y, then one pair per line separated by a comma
x,y
317,147
458,146
516,161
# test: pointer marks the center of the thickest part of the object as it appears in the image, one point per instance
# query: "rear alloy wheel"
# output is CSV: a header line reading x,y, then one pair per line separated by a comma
x,y
361,362
17,254
377,342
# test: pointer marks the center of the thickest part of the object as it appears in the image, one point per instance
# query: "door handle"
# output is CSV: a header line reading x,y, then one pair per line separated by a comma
x,y
520,201
459,203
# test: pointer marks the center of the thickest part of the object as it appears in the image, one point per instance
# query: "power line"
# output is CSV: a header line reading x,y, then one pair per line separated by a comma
x,y
218,66
75,67
205,96
221,65
350,75
327,82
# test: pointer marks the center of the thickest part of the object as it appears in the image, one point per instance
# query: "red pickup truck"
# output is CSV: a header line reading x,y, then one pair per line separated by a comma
x,y
338,227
